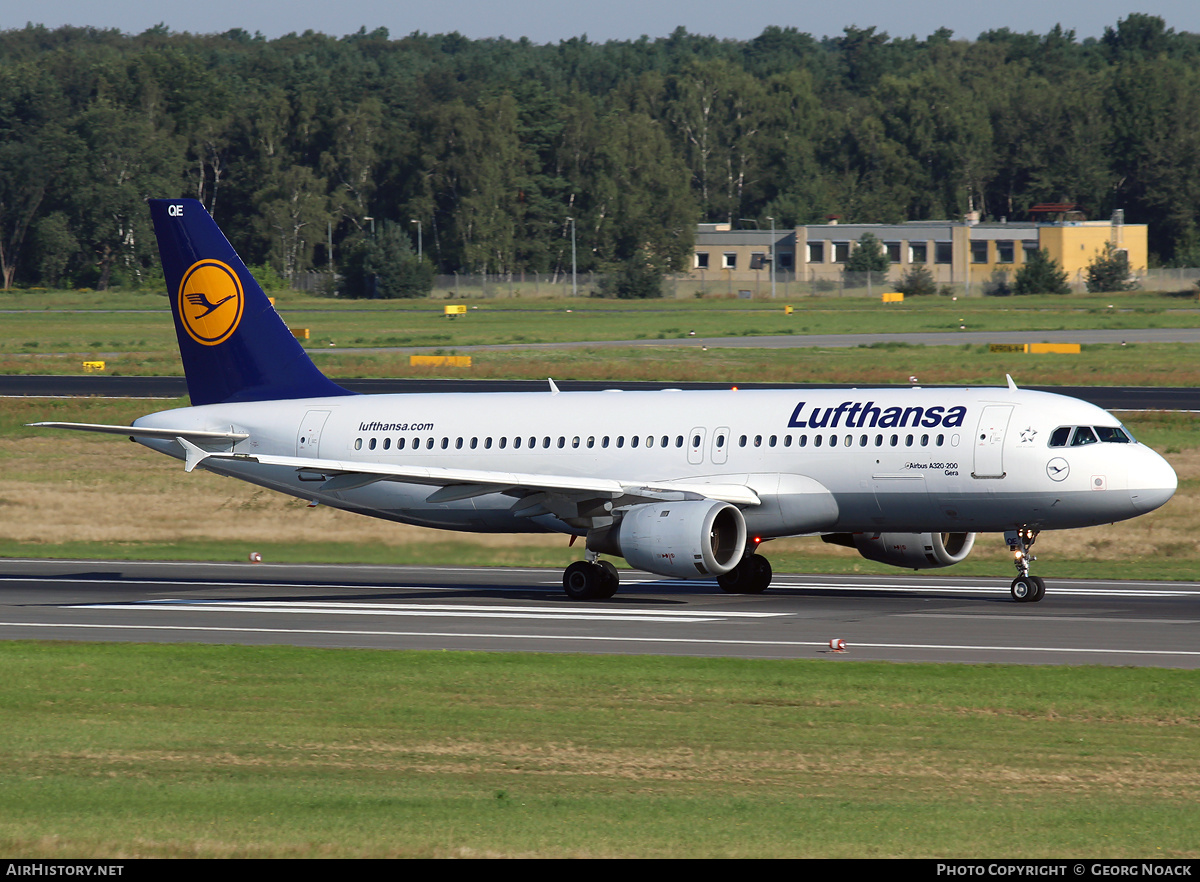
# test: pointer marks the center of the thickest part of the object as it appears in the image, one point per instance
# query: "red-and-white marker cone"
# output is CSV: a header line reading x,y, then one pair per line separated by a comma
x,y
837,645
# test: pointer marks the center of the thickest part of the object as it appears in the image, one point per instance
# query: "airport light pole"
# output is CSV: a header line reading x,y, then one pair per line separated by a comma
x,y
374,278
574,290
771,255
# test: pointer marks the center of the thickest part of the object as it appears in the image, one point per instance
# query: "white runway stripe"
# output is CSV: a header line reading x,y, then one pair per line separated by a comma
x,y
540,613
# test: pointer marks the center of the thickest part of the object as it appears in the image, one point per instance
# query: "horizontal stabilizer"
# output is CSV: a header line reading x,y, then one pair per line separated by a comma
x,y
195,435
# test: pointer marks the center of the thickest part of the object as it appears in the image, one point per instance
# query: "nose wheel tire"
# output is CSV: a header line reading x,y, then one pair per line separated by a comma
x,y
1028,589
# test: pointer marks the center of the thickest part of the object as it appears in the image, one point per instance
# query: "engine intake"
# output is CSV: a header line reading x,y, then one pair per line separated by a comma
x,y
914,551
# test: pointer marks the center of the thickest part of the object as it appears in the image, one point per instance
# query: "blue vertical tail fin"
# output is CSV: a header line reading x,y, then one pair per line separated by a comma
x,y
234,345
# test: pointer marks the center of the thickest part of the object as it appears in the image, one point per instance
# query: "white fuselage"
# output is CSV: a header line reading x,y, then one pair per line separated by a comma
x,y
951,460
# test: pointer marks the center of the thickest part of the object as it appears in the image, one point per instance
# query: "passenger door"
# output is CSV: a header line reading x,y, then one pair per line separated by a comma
x,y
989,441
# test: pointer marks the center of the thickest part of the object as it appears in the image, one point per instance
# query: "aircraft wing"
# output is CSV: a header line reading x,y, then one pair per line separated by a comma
x,y
194,435
458,484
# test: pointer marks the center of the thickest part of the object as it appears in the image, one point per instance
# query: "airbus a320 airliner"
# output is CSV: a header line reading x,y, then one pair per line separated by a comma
x,y
684,484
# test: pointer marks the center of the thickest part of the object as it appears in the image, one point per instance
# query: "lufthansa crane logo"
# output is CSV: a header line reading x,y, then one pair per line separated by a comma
x,y
210,302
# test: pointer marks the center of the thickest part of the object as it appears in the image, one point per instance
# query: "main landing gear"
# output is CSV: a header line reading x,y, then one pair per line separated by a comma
x,y
752,575
1025,588
591,579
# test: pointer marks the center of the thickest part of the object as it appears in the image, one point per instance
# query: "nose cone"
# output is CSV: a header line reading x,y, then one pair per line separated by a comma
x,y
1152,482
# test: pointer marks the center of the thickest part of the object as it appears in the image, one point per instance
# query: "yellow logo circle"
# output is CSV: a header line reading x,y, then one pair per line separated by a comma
x,y
210,302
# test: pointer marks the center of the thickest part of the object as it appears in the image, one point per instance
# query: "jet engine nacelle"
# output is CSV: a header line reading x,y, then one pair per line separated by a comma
x,y
914,551
680,539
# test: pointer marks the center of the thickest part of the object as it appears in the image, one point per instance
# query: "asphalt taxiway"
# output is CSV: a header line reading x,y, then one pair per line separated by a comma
x,y
1124,398
898,618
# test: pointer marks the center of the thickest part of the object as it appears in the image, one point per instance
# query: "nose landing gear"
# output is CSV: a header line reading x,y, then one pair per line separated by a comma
x,y
1025,588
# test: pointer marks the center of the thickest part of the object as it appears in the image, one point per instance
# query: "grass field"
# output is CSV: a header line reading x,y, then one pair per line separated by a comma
x,y
69,495
123,751
53,332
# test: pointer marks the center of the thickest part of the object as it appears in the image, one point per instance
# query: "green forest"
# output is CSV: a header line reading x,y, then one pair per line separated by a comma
x,y
494,152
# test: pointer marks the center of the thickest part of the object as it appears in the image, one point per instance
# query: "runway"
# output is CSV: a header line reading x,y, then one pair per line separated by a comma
x,y
899,618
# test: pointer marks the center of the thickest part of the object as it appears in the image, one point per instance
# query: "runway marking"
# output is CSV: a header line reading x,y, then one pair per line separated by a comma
x,y
1187,590
1112,620
602,639
540,613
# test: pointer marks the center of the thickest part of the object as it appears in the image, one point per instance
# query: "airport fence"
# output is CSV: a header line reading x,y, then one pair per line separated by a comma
x,y
466,286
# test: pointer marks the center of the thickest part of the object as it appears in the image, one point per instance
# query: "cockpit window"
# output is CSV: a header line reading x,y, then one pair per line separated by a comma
x,y
1083,435
1089,435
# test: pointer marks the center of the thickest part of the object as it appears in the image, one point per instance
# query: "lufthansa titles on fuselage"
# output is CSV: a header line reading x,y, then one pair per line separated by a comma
x,y
868,415
376,426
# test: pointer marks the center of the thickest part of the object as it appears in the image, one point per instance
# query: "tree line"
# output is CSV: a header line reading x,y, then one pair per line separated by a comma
x,y
496,152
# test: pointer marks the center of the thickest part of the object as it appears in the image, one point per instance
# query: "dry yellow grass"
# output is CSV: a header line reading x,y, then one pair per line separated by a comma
x,y
78,489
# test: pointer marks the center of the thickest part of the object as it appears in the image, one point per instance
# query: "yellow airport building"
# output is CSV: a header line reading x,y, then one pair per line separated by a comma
x,y
964,253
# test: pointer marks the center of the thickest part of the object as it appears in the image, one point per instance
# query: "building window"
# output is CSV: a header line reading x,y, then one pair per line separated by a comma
x,y
701,260
979,252
841,252
729,260
893,251
1004,251
758,260
816,252
943,252
918,252
784,260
